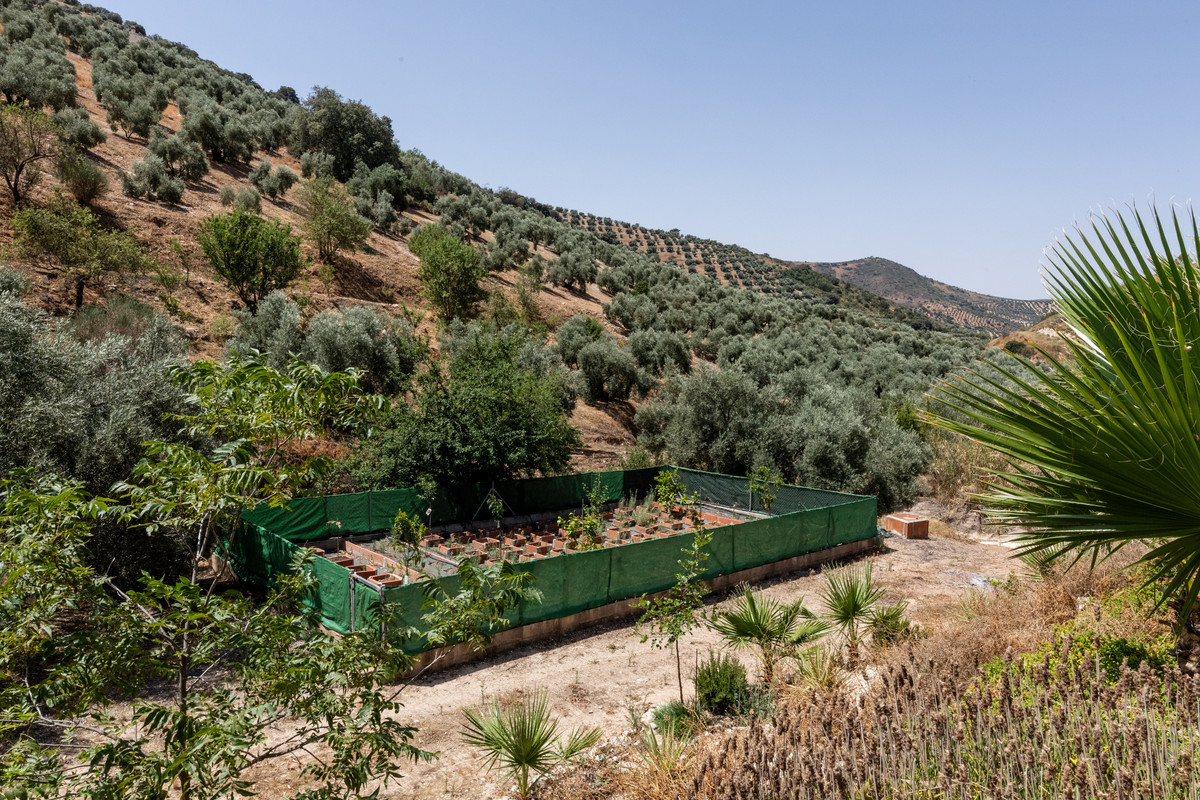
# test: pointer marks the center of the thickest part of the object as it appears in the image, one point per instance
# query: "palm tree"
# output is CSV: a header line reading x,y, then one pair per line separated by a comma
x,y
850,599
1103,449
522,739
772,628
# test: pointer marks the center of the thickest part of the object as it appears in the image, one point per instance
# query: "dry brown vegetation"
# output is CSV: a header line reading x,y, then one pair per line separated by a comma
x,y
960,713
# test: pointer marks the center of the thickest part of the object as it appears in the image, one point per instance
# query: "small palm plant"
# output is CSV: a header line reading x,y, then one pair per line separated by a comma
x,y
852,600
522,739
819,668
772,628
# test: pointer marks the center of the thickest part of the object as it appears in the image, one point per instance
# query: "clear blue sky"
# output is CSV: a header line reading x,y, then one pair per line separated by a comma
x,y
958,138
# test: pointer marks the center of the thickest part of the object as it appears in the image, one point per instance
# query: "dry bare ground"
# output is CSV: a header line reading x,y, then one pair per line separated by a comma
x,y
595,676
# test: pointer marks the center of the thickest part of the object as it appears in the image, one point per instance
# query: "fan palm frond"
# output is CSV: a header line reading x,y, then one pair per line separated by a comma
x,y
770,627
1104,448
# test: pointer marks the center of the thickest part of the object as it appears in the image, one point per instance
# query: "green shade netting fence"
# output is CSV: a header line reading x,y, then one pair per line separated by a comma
x,y
801,521
309,518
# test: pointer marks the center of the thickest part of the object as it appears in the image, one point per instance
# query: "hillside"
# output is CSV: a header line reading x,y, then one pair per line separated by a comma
x,y
962,307
655,333
733,265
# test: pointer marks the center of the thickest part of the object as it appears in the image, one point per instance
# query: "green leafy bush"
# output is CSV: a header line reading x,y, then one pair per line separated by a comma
x,y
609,372
34,69
573,335
181,157
253,255
346,131
450,272
316,165
151,180
272,184
73,238
721,684
490,410
385,348
679,718
13,282
329,217
77,128
80,175
248,199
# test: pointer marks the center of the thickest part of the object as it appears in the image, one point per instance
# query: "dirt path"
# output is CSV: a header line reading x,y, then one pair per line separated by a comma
x,y
595,676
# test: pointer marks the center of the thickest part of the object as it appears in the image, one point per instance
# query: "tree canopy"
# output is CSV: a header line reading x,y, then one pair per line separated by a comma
x,y
255,256
491,414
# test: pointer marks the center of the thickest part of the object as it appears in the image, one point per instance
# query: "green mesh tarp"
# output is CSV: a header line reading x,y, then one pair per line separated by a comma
x,y
257,555
730,492
369,512
332,597
801,521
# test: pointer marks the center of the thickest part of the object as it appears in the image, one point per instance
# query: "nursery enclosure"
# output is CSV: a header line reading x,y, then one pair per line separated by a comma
x,y
634,551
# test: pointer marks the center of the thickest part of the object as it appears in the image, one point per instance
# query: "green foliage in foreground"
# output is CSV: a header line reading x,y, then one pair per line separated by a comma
x,y
1103,448
236,670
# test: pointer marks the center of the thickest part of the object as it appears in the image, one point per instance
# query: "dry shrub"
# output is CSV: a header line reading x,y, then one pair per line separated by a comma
x,y
959,467
296,452
989,624
1029,732
1115,572
941,530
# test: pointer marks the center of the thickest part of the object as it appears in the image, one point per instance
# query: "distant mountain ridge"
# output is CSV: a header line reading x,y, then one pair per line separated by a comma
x,y
906,286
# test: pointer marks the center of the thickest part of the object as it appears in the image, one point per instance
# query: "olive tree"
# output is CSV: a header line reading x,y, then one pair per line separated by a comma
x,y
329,217
72,238
28,139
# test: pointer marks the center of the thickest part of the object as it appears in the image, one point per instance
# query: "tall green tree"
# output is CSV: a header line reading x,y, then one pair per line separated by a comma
x,y
253,255
1103,447
489,414
347,130
450,272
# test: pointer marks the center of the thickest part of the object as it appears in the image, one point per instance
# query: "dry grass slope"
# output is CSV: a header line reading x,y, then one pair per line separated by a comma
x,y
901,284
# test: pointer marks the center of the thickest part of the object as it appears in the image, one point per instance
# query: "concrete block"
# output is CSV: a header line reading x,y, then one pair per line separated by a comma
x,y
908,525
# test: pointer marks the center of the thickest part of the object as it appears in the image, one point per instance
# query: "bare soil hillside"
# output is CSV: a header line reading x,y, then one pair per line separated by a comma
x,y
962,307
383,273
